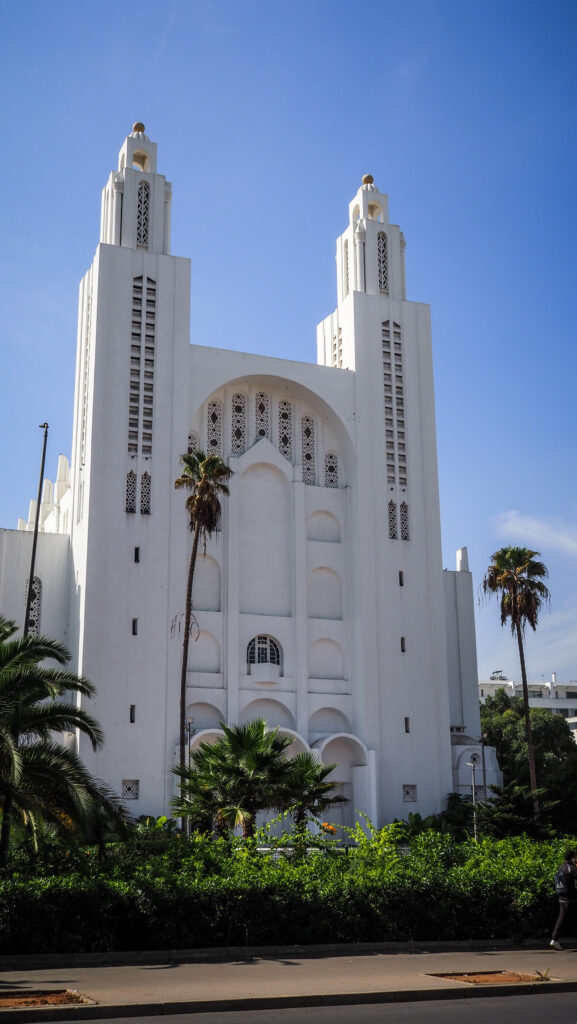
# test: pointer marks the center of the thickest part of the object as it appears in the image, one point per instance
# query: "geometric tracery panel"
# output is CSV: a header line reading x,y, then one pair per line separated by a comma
x,y
382,266
331,469
142,213
262,414
308,449
214,427
238,425
285,429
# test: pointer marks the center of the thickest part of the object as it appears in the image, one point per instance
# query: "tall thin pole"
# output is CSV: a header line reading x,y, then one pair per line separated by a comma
x,y
44,427
473,766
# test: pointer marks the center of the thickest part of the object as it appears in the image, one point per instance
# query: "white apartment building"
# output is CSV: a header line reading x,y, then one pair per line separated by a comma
x,y
560,698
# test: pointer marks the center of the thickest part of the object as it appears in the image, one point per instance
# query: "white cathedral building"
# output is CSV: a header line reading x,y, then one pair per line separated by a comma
x,y
321,605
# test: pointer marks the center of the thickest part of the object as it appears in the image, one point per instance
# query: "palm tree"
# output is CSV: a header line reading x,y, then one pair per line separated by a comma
x,y
308,789
516,577
243,772
40,779
205,477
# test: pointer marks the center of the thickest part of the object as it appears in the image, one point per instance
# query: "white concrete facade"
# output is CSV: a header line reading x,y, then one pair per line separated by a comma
x,y
322,604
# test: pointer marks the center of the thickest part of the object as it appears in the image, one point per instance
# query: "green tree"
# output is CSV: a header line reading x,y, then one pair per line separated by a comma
x,y
308,790
205,477
555,753
243,772
515,577
40,779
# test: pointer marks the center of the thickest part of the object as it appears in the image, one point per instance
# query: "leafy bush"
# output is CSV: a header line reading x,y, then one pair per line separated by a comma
x,y
201,892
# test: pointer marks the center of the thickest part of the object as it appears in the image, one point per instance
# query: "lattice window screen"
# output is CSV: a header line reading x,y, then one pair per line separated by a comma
x,y
193,442
404,517
130,789
262,414
142,213
409,792
382,262
392,520
134,397
131,491
394,395
148,372
33,621
285,429
238,426
214,427
331,469
308,449
145,488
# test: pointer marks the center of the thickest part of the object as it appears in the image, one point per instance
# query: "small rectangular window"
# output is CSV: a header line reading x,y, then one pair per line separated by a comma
x,y
133,713
137,554
135,627
403,644
401,578
407,724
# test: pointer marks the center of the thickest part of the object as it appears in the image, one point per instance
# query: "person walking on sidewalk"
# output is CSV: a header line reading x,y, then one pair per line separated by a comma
x,y
566,889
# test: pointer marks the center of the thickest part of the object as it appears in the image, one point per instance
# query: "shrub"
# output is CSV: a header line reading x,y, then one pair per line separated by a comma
x,y
201,892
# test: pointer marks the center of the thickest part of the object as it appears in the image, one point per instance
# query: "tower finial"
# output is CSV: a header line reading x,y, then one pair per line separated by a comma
x,y
368,179
138,126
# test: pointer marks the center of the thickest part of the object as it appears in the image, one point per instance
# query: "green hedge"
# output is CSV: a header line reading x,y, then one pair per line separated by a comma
x,y
199,893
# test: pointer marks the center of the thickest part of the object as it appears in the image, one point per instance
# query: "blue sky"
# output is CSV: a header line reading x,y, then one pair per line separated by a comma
x,y
266,116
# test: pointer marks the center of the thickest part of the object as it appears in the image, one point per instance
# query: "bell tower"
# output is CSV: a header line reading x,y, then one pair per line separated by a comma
x,y
130,427
136,201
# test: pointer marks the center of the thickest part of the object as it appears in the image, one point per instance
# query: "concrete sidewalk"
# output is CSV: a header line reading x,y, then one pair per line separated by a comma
x,y
200,981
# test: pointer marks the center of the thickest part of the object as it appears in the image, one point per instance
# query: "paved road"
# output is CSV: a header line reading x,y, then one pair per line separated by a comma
x,y
541,1008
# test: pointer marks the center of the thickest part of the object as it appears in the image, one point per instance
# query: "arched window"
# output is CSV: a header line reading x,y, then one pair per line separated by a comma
x,y
308,449
33,620
331,469
214,427
238,427
131,491
142,212
382,262
263,650
262,414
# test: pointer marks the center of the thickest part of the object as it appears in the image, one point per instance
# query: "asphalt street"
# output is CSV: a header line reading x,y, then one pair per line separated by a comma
x,y
538,1008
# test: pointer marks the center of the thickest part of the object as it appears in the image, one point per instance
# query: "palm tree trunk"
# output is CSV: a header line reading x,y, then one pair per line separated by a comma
x,y
186,641
5,834
528,731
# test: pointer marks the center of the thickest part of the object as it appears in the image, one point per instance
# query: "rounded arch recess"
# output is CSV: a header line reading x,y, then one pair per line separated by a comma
x,y
203,715
276,713
288,388
329,722
324,526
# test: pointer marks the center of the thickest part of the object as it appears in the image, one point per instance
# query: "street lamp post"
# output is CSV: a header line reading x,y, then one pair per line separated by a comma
x,y
44,427
473,765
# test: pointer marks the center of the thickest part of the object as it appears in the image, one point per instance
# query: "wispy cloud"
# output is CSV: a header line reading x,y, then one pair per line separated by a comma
x,y
543,533
163,37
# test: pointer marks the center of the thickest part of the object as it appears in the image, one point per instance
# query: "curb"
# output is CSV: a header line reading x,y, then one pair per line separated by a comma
x,y
105,1011
41,961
